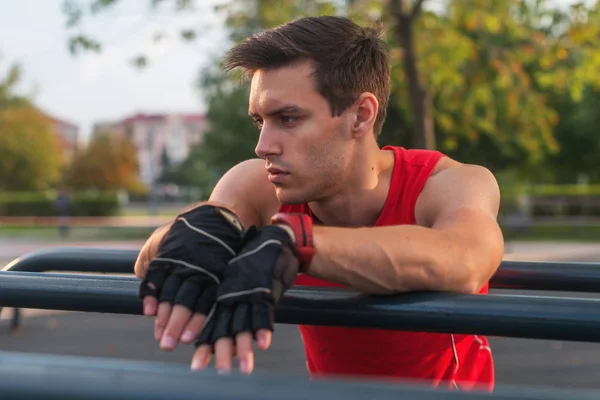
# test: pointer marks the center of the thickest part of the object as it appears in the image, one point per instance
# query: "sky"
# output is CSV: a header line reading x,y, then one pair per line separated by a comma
x,y
98,87
103,87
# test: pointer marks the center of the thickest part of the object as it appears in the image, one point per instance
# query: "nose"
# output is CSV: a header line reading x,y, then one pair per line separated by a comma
x,y
268,143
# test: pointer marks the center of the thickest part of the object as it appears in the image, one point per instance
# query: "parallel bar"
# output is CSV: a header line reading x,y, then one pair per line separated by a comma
x,y
497,315
76,259
524,275
72,259
34,376
548,276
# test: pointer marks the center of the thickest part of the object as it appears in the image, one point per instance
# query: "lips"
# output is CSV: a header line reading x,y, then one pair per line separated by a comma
x,y
275,171
276,175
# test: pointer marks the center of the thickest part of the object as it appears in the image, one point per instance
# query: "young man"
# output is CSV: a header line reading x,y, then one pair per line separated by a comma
x,y
347,213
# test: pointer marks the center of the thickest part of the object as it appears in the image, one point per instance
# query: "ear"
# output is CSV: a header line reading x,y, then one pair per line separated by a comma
x,y
366,108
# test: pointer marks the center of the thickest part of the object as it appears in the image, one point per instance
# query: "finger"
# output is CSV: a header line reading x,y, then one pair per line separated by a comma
x,y
262,316
206,332
190,289
224,354
263,339
153,282
245,353
206,300
201,357
162,318
170,288
179,318
241,319
223,316
150,306
193,328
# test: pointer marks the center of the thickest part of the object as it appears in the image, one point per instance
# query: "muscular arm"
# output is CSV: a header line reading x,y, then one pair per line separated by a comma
x,y
457,245
243,189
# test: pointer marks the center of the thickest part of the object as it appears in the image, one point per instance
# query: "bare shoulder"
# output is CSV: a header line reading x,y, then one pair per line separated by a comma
x,y
455,186
246,189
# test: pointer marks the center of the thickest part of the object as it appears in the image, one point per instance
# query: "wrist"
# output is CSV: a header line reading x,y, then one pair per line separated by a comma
x,y
301,234
286,228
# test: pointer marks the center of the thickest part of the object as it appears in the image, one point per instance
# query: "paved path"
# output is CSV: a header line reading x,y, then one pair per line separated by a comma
x,y
517,361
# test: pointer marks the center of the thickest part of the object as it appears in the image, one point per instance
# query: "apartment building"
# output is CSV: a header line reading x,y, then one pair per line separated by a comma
x,y
68,134
155,134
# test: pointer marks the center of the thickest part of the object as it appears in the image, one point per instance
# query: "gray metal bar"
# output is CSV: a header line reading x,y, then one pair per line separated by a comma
x,y
72,259
494,314
50,377
76,259
524,275
548,276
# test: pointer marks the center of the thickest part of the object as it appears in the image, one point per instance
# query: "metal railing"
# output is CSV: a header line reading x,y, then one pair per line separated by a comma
x,y
540,317
524,275
71,259
508,315
51,377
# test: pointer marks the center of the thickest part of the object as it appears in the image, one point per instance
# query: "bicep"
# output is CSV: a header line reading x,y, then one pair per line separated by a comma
x,y
463,201
244,189
455,191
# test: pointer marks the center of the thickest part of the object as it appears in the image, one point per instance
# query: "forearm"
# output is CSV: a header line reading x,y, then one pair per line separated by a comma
x,y
393,259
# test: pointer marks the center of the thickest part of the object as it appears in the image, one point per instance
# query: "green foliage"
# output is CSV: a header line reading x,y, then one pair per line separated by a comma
x,y
232,135
43,204
76,11
8,97
108,163
30,154
578,137
512,82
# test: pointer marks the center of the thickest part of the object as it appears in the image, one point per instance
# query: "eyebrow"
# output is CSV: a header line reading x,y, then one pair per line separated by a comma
x,y
281,110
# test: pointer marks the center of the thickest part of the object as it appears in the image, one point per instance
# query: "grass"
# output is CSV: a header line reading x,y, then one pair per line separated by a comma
x,y
77,233
590,233
567,233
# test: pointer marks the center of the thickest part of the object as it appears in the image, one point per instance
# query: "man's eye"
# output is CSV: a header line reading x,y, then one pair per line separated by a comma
x,y
259,123
286,120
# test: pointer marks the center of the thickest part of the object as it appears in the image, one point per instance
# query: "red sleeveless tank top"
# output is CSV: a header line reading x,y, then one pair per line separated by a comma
x,y
453,361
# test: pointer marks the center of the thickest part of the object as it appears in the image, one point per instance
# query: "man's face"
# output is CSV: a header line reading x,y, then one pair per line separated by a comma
x,y
306,150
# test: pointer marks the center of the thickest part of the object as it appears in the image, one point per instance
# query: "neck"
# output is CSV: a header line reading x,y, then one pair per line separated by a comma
x,y
363,193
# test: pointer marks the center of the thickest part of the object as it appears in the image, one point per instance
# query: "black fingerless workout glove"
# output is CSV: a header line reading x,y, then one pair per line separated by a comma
x,y
192,257
253,283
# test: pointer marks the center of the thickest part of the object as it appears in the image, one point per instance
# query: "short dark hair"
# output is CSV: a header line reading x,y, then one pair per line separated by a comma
x,y
349,59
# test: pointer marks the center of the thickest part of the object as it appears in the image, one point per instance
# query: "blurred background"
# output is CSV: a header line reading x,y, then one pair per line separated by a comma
x,y
115,114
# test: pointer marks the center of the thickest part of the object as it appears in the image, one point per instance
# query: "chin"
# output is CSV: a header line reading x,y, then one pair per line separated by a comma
x,y
289,196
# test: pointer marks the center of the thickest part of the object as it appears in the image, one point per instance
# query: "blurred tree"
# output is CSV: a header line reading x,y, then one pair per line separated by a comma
x,y
194,171
578,138
30,154
8,97
488,68
108,163
482,72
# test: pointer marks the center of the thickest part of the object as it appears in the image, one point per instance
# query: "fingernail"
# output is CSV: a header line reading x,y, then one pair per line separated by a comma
x,y
167,342
187,336
222,371
262,341
148,309
159,333
244,366
197,365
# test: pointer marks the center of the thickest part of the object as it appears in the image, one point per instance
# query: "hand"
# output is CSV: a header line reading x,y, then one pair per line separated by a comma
x,y
184,276
149,250
253,283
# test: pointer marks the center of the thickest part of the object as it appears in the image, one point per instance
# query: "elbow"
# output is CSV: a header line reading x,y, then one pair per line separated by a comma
x,y
476,272
469,286
460,274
